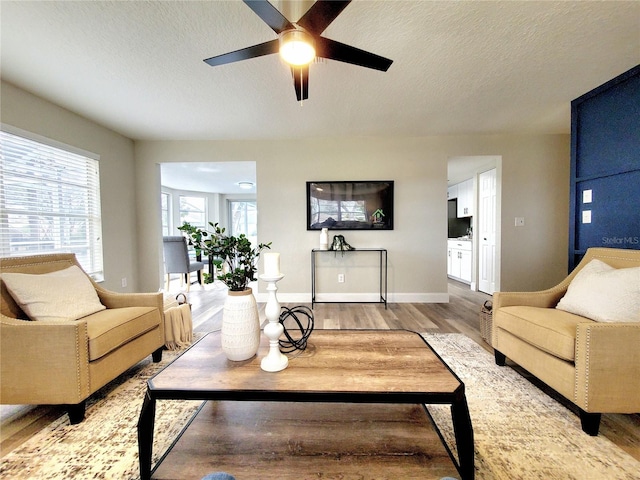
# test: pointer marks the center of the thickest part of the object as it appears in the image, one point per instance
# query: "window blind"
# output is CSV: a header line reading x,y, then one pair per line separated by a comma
x,y
49,202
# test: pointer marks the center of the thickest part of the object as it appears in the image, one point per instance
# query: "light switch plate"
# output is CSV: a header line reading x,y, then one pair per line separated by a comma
x,y
587,196
519,221
586,216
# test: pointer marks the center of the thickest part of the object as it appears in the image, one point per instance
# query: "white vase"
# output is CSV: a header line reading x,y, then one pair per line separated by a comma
x,y
324,239
240,334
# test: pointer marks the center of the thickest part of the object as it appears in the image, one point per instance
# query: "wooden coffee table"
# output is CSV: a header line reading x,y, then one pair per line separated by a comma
x,y
395,371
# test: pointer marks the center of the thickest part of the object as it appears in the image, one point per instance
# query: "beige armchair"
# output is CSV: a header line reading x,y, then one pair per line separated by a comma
x,y
595,365
64,362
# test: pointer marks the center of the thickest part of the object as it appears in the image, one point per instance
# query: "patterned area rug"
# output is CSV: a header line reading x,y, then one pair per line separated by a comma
x,y
520,433
105,444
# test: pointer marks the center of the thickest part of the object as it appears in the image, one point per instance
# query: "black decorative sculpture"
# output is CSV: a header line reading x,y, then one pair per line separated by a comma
x,y
299,319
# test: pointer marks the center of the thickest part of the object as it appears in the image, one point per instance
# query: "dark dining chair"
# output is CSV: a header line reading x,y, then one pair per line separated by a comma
x,y
176,260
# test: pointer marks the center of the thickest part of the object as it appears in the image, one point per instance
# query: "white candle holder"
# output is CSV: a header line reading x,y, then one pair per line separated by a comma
x,y
275,360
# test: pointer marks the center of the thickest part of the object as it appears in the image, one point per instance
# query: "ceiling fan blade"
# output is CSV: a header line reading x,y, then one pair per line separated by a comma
x,y
259,50
269,15
321,14
301,81
327,48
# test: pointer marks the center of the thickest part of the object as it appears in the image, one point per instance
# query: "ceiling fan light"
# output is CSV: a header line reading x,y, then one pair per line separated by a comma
x,y
296,47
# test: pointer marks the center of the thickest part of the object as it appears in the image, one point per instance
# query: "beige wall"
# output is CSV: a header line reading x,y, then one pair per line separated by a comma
x,y
534,173
283,168
535,185
28,112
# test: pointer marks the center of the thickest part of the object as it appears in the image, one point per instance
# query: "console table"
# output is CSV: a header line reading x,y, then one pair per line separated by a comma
x,y
382,253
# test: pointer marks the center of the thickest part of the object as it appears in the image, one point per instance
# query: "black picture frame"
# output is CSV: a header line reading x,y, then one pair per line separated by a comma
x,y
350,205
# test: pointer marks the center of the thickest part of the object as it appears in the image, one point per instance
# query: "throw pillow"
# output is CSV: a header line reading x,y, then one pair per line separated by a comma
x,y
604,294
61,295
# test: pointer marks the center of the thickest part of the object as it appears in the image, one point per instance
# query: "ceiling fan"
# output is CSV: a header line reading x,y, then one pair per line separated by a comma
x,y
303,38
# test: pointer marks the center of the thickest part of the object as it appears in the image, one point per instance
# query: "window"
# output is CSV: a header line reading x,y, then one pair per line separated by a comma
x,y
244,219
340,210
49,200
166,218
193,210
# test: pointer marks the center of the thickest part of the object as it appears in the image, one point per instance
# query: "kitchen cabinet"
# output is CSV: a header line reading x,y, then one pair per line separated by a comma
x,y
459,260
452,192
465,198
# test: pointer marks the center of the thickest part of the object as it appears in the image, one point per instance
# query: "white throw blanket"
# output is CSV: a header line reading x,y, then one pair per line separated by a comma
x,y
178,328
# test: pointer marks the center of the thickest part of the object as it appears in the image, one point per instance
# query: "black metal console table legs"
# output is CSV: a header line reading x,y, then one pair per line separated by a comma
x,y
382,275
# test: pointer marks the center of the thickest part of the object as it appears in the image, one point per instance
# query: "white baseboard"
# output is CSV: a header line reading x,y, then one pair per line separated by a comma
x,y
300,298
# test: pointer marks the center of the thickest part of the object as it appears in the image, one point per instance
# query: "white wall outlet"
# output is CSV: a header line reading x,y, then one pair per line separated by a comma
x,y
587,196
124,282
341,278
586,216
519,221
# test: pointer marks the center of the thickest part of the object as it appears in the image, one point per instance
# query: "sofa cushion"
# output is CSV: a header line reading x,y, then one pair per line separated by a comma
x,y
604,294
66,294
548,329
114,327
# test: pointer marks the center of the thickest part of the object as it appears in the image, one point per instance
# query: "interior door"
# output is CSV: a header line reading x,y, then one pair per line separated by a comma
x,y
487,232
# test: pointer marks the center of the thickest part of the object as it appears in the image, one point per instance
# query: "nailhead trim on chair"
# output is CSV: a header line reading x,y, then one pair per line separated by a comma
x,y
40,260
575,379
78,362
599,326
587,370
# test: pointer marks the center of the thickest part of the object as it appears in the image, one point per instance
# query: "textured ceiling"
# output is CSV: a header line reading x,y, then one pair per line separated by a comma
x,y
462,67
214,177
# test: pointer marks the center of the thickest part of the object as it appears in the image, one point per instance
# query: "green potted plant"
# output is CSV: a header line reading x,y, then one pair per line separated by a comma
x,y
236,259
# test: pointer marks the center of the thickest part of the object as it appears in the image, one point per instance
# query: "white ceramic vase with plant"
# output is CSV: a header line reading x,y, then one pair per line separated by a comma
x,y
235,259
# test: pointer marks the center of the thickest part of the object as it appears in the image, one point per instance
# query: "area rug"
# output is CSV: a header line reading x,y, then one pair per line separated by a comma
x,y
520,432
105,444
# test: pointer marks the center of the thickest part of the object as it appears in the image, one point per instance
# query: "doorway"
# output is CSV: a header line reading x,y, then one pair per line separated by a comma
x,y
487,231
484,173
201,193
214,184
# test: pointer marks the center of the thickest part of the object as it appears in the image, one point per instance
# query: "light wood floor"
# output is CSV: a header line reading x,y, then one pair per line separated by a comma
x,y
460,315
